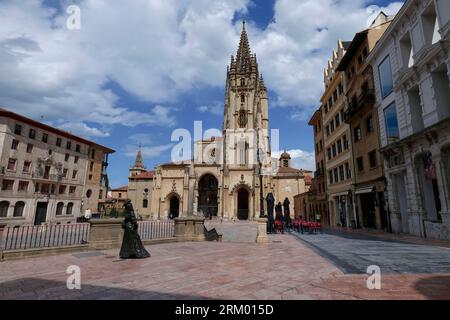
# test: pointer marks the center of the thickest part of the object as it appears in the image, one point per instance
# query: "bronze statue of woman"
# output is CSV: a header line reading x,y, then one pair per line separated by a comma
x,y
132,247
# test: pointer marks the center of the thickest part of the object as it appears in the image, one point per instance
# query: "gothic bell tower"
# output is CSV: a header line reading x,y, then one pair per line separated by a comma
x,y
246,102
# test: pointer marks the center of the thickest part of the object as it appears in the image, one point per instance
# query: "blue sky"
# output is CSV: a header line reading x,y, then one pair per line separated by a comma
x,y
137,70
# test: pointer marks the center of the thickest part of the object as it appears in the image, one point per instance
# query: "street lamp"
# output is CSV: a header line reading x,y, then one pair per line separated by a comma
x,y
261,191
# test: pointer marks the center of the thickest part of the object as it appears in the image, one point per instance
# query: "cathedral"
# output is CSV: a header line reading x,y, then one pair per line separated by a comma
x,y
225,176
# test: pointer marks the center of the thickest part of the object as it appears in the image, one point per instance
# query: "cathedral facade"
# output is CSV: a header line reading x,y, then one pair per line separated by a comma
x,y
225,176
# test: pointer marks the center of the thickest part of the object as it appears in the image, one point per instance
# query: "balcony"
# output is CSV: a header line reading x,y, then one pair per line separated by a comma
x,y
365,99
46,176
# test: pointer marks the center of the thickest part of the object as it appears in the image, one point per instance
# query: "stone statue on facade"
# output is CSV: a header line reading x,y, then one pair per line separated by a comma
x,y
132,247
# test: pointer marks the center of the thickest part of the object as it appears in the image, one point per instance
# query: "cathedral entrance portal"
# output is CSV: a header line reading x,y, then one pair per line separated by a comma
x,y
243,204
174,207
207,196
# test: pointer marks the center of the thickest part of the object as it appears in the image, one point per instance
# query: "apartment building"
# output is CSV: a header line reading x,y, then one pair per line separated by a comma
x,y
337,146
411,66
44,172
362,117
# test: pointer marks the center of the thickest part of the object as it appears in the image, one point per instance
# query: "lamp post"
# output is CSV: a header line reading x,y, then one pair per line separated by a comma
x,y
261,191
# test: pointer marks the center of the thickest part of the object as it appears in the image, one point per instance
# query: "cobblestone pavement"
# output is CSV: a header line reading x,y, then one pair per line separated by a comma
x,y
237,268
354,253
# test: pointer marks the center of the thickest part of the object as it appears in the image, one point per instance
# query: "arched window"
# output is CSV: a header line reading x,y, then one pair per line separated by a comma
x,y
242,98
286,163
18,209
4,206
59,208
89,193
243,152
242,82
145,203
242,119
69,209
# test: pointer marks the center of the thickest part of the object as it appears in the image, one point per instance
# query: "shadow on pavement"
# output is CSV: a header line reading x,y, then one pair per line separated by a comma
x,y
436,288
40,289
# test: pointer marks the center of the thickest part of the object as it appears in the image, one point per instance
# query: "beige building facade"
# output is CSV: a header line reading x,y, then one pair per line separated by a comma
x,y
362,117
44,173
338,154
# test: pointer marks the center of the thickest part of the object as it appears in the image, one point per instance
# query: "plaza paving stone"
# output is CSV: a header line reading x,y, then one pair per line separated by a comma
x,y
237,268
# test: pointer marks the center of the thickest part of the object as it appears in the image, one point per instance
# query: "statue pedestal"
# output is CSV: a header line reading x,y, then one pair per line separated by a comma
x,y
190,228
105,234
262,237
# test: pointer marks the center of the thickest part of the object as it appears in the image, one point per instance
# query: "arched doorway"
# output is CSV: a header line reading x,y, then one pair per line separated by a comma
x,y
208,187
243,204
174,211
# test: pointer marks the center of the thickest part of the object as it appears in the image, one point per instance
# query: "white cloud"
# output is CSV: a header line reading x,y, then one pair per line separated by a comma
x,y
82,129
148,152
157,50
299,159
215,109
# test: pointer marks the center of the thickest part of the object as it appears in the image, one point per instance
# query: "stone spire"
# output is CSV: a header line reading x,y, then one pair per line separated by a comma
x,y
244,56
139,162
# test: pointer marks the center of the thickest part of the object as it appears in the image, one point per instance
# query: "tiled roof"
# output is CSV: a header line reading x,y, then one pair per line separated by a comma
x,y
145,175
124,188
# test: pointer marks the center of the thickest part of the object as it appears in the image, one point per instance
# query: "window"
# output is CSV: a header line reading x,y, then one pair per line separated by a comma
x,y
91,166
337,121
18,209
23,186
32,134
78,148
50,152
330,102
66,157
242,119
329,153
369,124
69,209
45,188
74,174
120,195
12,164
4,206
69,145
29,148
91,177
62,189
336,176
344,138
242,82
15,144
89,193
59,208
347,170
45,137
18,129
75,160
330,174
341,88
333,147
373,159
341,173
390,118
72,189
357,132
7,185
335,95
385,74
93,154
145,203
58,142
100,194
339,146
332,126
65,171
327,129
26,167
360,164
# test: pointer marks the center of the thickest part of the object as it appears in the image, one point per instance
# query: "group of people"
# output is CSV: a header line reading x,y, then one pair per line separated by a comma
x,y
282,220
